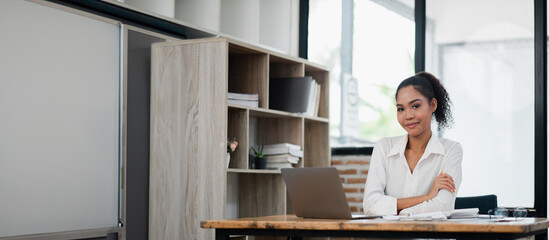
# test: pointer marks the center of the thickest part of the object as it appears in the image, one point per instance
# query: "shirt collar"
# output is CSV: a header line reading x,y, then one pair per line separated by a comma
x,y
434,146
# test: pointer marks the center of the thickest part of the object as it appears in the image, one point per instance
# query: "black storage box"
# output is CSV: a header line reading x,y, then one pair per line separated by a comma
x,y
290,94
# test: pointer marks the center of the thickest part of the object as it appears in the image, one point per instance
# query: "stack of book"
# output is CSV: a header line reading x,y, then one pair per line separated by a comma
x,y
282,155
244,99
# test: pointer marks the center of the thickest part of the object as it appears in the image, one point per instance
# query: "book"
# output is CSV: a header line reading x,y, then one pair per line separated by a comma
x,y
282,145
243,96
253,104
282,158
317,101
283,148
279,165
293,152
312,99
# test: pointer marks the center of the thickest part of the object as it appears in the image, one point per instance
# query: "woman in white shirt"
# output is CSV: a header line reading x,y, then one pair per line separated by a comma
x,y
417,172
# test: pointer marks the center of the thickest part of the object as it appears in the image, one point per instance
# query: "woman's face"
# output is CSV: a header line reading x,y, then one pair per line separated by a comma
x,y
414,111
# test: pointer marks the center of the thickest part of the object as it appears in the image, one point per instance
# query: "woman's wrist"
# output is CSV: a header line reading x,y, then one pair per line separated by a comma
x,y
429,196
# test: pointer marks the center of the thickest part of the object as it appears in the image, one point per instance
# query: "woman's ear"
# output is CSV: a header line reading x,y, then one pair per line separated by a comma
x,y
434,105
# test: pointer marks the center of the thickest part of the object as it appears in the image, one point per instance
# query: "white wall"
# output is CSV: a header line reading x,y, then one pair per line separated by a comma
x,y
240,18
203,13
162,7
279,25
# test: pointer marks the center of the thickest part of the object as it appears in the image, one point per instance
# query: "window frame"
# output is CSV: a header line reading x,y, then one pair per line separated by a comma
x,y
540,94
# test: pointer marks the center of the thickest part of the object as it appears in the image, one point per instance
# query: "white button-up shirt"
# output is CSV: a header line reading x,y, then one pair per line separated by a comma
x,y
390,178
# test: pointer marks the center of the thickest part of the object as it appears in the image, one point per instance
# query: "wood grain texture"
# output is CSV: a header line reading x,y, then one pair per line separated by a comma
x,y
190,123
271,113
238,121
467,226
255,171
188,137
286,69
261,195
250,74
280,130
275,56
317,144
301,162
244,49
289,208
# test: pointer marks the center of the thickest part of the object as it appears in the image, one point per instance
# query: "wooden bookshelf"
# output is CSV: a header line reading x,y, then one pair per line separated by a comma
x,y
191,121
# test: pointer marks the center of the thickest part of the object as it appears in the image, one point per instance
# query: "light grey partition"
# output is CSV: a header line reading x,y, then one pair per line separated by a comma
x,y
59,120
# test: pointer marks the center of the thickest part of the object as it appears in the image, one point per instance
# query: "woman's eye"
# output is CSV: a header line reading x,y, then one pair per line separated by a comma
x,y
416,106
400,109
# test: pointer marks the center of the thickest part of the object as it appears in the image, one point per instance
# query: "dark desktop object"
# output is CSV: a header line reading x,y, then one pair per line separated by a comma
x,y
290,94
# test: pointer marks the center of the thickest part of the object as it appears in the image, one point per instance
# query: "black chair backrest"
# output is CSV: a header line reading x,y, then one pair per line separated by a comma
x,y
483,203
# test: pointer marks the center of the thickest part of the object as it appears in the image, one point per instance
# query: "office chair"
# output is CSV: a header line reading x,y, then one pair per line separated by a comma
x,y
483,203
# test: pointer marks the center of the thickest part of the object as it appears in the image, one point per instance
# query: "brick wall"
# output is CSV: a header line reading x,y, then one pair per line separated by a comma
x,y
353,171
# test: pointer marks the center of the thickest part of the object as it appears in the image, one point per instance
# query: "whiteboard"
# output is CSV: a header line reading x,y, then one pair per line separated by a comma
x,y
59,120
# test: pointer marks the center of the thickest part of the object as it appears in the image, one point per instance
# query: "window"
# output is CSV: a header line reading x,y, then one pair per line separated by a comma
x,y
483,52
486,61
368,53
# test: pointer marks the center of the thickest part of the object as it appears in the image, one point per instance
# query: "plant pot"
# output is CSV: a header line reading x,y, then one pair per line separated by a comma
x,y
228,159
260,163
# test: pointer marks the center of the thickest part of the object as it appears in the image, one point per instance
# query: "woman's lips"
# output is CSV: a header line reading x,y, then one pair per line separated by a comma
x,y
411,125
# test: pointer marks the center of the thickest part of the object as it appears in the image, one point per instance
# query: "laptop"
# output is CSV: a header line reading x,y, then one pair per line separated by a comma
x,y
318,193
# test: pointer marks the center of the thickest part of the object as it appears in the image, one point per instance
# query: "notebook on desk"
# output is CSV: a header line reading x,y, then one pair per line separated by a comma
x,y
318,193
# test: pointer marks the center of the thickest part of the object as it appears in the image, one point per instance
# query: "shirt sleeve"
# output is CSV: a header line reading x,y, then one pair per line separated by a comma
x,y
444,201
375,201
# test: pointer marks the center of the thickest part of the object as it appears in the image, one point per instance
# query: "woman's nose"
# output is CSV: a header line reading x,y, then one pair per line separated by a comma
x,y
409,114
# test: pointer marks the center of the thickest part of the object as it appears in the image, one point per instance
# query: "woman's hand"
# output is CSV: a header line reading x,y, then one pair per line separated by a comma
x,y
443,181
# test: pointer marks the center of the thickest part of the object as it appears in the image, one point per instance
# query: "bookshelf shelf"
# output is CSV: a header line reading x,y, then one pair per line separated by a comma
x,y
191,121
260,112
255,171
273,113
317,119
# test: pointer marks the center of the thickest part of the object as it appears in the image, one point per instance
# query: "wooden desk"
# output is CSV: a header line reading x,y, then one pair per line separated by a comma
x,y
290,225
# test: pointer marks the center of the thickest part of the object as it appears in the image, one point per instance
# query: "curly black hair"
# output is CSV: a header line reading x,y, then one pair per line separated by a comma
x,y
430,87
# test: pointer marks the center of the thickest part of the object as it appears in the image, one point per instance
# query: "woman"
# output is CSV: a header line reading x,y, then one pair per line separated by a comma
x,y
417,172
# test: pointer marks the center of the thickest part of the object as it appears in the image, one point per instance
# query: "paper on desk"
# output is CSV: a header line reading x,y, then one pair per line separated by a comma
x,y
426,216
417,217
458,213
463,213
